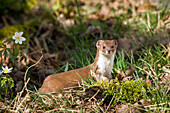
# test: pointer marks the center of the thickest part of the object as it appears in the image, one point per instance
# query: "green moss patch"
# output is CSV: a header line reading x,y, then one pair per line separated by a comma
x,y
130,91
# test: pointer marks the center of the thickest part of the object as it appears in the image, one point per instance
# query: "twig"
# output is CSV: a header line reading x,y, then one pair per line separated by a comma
x,y
161,56
21,95
157,104
31,67
61,110
148,19
148,74
94,95
150,67
110,103
26,82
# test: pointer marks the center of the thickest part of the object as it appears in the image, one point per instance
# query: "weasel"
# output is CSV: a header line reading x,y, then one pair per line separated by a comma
x,y
100,69
103,62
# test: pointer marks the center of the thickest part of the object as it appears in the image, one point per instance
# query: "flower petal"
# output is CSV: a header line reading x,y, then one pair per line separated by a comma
x,y
10,69
20,41
23,39
20,33
14,37
16,41
6,67
16,33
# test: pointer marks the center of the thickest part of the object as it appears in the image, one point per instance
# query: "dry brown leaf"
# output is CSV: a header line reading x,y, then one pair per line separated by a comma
x,y
165,69
111,22
120,74
130,109
65,22
19,86
105,11
10,45
168,51
165,76
146,7
27,110
145,102
1,105
130,70
125,76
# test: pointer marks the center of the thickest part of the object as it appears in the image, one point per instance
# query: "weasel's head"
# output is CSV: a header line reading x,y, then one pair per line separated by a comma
x,y
107,47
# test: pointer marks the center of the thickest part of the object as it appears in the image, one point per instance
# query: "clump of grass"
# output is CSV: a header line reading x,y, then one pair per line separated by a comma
x,y
151,62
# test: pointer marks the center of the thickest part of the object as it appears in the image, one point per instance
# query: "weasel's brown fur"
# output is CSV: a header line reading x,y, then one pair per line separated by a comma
x,y
56,82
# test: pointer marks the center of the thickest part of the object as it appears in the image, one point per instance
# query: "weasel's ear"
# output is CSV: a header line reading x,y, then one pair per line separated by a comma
x,y
116,43
99,43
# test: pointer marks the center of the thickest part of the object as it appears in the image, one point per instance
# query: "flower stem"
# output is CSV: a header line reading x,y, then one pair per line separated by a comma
x,y
13,55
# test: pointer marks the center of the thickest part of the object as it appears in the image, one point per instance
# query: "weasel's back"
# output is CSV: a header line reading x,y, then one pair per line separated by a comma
x,y
65,79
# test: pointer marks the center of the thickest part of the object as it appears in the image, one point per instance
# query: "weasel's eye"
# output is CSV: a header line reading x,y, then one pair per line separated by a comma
x,y
112,47
104,47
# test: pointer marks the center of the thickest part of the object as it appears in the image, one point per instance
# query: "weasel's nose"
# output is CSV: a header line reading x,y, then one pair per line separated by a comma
x,y
109,51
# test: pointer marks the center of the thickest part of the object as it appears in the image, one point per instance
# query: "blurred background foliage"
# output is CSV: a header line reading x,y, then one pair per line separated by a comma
x,y
12,7
74,26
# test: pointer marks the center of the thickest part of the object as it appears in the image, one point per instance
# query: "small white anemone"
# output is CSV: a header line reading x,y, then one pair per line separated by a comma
x,y
6,70
18,37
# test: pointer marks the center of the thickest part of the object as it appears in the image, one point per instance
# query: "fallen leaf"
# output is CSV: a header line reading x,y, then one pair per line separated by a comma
x,y
165,76
120,74
145,102
19,86
168,51
27,110
130,70
1,104
146,7
135,108
105,10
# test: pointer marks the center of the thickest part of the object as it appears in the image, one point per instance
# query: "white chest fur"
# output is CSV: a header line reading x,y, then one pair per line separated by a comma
x,y
105,64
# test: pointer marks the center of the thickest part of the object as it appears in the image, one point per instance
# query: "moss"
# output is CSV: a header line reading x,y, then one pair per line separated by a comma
x,y
10,30
27,28
31,3
17,6
130,91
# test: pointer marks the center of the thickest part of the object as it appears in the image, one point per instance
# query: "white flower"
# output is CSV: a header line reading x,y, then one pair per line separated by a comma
x,y
1,72
18,37
6,70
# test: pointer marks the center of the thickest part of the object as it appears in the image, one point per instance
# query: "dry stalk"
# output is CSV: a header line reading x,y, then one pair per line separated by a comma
x,y
148,21
94,95
148,74
25,86
53,110
154,76
157,105
150,68
110,103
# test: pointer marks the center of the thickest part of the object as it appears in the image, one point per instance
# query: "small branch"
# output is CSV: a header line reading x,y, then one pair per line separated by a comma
x,y
26,82
110,103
